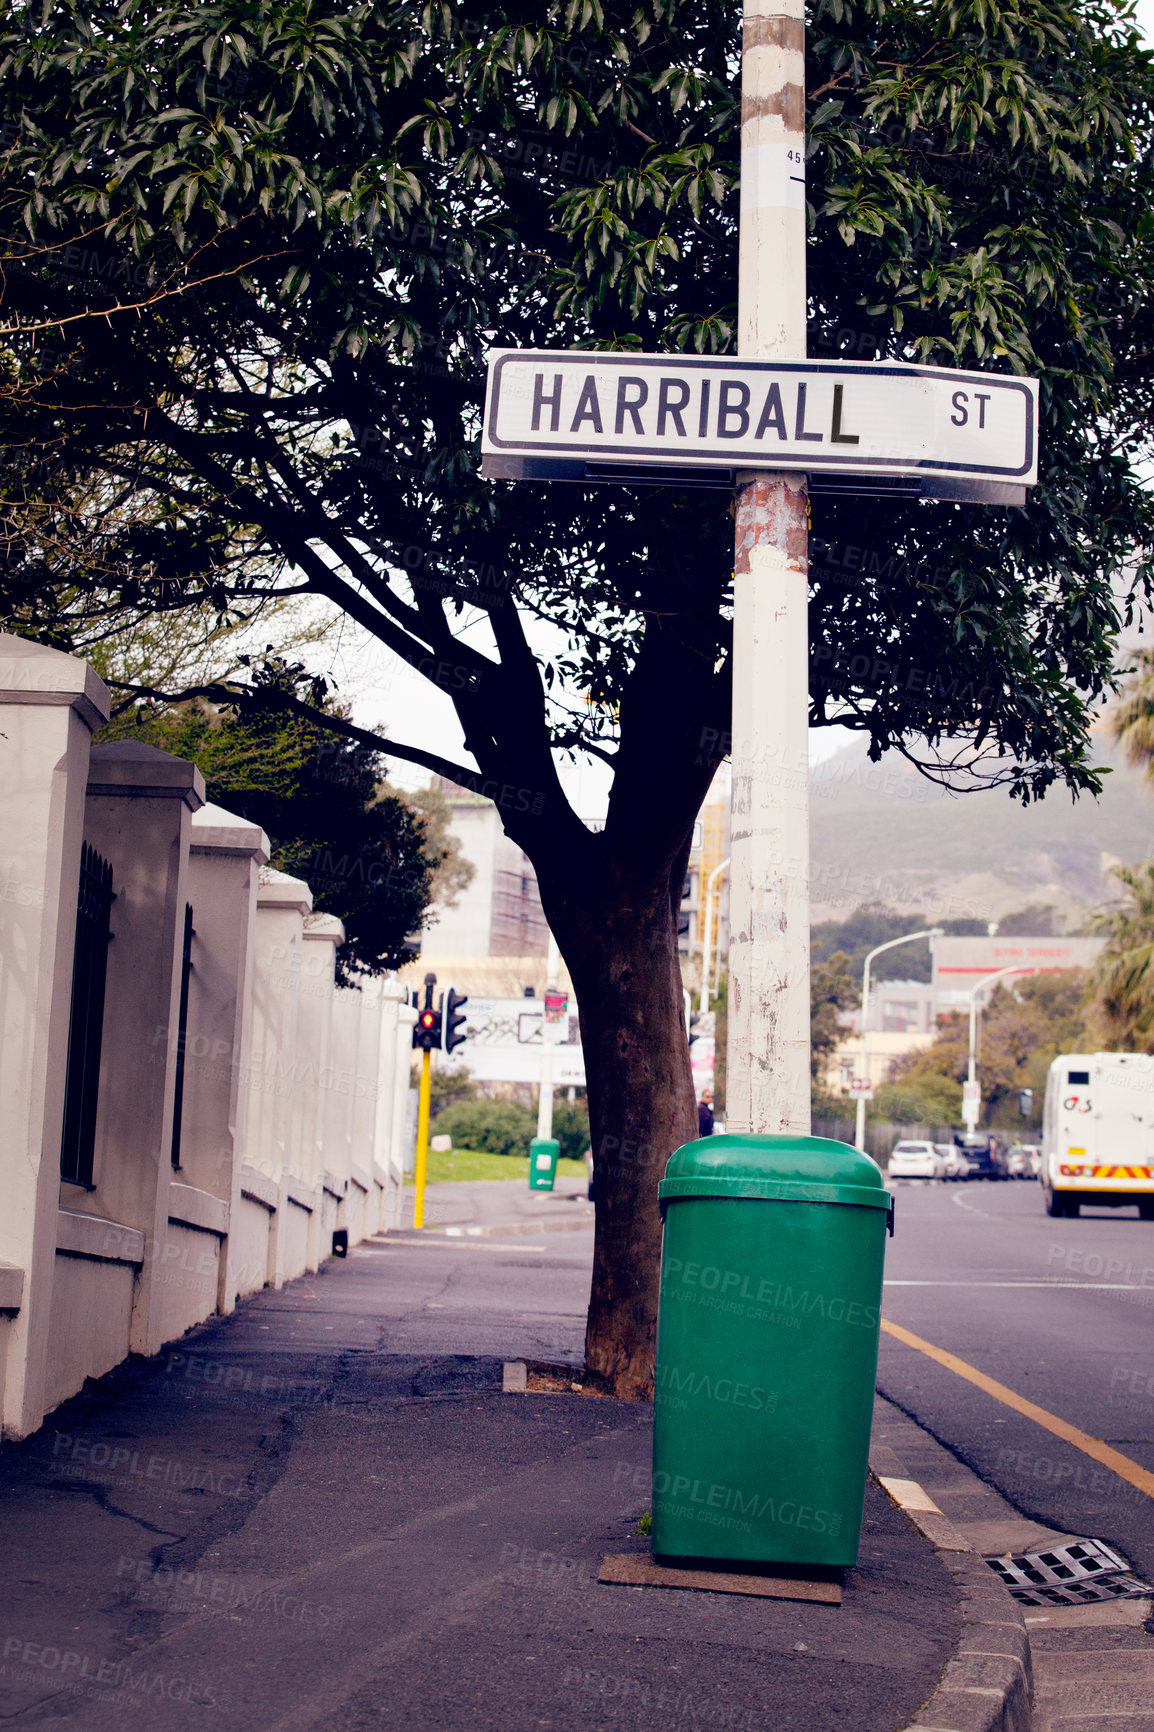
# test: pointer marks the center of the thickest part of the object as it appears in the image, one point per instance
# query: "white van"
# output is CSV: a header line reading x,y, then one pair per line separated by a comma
x,y
1098,1132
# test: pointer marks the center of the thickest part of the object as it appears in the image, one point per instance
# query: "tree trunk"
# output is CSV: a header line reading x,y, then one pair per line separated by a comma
x,y
622,956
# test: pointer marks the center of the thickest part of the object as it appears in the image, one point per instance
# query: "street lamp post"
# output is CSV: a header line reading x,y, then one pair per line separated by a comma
x,y
971,1101
930,932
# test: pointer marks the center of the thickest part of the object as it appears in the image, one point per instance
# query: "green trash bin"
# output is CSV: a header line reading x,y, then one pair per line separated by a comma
x,y
543,1152
767,1338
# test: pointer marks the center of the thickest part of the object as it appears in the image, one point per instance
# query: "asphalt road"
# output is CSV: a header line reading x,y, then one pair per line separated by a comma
x,y
1062,1312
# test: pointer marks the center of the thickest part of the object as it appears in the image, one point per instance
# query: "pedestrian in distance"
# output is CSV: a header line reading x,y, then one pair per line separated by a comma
x,y
705,1114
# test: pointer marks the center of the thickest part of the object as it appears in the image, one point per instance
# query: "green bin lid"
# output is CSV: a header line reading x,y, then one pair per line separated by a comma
x,y
792,1169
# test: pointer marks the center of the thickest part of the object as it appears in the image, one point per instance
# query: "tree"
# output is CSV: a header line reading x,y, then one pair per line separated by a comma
x,y
1035,920
454,873
872,924
832,989
366,855
1121,1008
254,255
1131,718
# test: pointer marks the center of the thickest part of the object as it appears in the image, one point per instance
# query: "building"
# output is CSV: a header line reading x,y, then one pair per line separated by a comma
x,y
499,913
873,1057
960,963
898,1007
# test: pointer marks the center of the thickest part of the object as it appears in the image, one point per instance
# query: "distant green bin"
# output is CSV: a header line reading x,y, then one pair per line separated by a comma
x,y
543,1153
767,1339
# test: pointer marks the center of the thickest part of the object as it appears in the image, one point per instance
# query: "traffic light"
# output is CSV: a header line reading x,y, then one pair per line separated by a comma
x,y
454,1018
427,1033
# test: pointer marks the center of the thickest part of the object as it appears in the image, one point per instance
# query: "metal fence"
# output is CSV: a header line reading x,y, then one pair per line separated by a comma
x,y
86,1019
881,1135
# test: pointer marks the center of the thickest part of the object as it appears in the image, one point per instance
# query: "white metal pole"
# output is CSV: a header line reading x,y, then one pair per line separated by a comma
x,y
707,943
930,932
768,1086
970,1108
545,1094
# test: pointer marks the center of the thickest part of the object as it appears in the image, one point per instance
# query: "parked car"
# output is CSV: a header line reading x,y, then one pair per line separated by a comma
x,y
915,1160
983,1154
1018,1163
954,1163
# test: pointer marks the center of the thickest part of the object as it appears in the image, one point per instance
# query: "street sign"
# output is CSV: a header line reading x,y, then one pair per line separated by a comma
x,y
588,415
555,1025
861,1088
971,1094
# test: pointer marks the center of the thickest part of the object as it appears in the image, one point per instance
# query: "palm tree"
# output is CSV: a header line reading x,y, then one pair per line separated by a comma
x,y
1131,721
1121,1000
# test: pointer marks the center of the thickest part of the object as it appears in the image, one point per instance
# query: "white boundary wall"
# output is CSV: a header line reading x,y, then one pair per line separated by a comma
x,y
292,1120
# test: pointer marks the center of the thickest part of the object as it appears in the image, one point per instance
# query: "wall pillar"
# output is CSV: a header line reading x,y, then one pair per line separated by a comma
x,y
393,997
339,1106
49,705
225,857
361,1198
282,903
322,934
138,815
399,1135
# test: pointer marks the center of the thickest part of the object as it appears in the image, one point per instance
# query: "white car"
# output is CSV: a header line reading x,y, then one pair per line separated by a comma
x,y
914,1160
954,1163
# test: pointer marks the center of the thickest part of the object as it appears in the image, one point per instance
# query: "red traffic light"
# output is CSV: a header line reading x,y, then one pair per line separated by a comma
x,y
428,1018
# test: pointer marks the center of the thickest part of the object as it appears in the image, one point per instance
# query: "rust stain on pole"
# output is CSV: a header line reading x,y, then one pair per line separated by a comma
x,y
760,31
772,511
788,102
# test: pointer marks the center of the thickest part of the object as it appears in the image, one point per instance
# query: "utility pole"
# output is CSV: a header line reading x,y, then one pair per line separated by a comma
x,y
768,1084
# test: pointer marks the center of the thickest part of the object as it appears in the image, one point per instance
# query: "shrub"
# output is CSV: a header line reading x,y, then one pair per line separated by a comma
x,y
497,1127
571,1129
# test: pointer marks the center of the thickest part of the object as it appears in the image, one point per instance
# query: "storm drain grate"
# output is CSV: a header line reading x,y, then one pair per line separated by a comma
x,y
1071,1575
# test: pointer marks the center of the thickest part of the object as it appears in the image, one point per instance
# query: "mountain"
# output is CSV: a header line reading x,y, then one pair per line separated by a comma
x,y
883,833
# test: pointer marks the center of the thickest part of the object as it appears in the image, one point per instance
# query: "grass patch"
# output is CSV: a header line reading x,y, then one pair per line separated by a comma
x,y
468,1164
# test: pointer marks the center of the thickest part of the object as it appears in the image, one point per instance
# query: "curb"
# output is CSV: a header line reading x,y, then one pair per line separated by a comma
x,y
566,1224
988,1686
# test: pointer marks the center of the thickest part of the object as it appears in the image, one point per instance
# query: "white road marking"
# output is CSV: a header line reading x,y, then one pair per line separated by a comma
x,y
1057,1286
969,1207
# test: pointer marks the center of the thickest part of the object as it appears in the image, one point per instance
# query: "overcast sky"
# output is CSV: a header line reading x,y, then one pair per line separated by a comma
x,y
388,695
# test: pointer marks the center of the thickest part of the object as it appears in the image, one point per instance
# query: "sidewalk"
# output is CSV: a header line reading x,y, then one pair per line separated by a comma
x,y
292,1521
482,1207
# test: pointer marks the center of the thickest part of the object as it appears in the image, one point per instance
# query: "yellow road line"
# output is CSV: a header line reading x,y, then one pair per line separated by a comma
x,y
1091,1446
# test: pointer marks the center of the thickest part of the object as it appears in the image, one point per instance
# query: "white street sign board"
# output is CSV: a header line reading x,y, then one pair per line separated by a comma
x,y
504,1041
588,407
971,1094
861,1088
